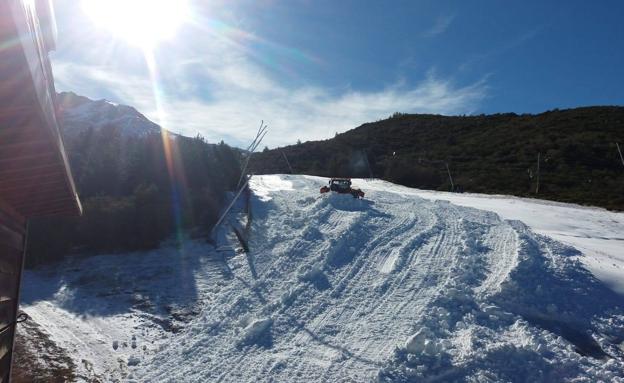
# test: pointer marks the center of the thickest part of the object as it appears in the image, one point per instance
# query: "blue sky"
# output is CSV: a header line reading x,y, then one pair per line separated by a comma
x,y
313,68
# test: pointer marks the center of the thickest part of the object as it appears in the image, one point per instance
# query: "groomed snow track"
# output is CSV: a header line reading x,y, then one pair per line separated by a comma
x,y
394,288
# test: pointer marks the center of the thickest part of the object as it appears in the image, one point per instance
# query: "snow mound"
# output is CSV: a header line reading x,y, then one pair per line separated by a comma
x,y
392,288
423,342
256,330
396,288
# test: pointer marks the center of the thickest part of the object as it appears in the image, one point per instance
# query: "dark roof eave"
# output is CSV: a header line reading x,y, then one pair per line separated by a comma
x,y
35,47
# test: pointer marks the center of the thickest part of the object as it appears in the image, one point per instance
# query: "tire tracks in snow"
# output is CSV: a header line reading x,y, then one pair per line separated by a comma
x,y
348,284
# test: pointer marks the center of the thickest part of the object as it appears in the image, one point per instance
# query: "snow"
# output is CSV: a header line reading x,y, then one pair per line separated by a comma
x,y
112,311
597,233
265,185
256,331
423,342
102,113
401,286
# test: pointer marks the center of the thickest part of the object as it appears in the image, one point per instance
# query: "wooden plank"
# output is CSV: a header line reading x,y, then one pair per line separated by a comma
x,y
15,224
7,311
27,160
33,171
10,216
17,196
11,238
8,286
33,174
5,367
6,343
25,182
27,163
16,115
16,149
34,167
13,156
10,260
36,203
66,210
11,221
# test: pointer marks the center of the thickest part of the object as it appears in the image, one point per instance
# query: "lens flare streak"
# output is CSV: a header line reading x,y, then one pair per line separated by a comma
x,y
174,163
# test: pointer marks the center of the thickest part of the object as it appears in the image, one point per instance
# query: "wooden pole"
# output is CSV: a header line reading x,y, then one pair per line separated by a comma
x,y
226,211
450,178
252,148
287,162
538,172
619,151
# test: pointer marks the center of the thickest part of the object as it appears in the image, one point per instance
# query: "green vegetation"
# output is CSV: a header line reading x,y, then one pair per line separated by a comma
x,y
132,198
496,154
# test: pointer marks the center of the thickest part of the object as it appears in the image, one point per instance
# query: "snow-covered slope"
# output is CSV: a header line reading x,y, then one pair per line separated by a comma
x,y
392,288
595,232
79,113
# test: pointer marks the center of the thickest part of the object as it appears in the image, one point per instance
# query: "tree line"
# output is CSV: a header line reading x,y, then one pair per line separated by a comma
x,y
495,154
136,191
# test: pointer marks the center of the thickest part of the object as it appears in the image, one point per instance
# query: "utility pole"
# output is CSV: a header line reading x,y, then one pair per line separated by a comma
x,y
450,178
619,151
538,171
287,162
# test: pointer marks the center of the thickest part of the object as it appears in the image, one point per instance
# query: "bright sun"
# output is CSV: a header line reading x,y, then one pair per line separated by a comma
x,y
140,22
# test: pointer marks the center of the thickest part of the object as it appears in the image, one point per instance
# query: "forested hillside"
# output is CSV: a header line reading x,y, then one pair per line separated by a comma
x,y
576,148
136,191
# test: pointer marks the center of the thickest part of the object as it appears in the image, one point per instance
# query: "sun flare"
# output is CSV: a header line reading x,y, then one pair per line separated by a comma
x,y
140,22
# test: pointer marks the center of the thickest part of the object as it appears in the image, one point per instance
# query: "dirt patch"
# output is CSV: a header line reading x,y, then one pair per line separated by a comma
x,y
38,359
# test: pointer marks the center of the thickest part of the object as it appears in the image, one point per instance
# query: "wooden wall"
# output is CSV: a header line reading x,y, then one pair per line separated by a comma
x,y
12,242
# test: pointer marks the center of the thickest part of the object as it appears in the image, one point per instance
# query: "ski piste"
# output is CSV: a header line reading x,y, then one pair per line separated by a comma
x,y
390,288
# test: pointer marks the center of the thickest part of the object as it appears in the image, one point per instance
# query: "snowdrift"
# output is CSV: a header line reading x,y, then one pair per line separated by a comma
x,y
396,288
392,288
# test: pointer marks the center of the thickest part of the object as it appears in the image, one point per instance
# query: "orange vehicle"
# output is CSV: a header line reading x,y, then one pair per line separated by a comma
x,y
342,186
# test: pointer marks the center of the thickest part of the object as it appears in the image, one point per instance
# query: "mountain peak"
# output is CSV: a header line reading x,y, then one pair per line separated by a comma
x,y
78,113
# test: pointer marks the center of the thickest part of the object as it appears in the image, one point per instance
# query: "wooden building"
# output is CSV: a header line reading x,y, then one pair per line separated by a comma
x,y
35,179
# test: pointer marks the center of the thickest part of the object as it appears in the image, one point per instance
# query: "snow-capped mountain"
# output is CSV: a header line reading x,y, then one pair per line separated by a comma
x,y
78,113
